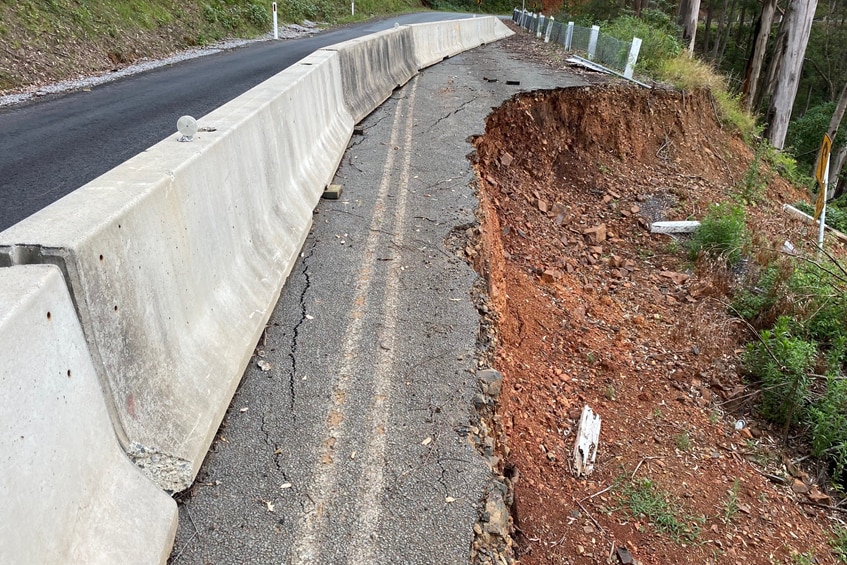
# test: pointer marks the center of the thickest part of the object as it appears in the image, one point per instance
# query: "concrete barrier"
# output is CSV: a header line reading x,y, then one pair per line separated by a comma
x,y
69,494
437,40
175,259
373,66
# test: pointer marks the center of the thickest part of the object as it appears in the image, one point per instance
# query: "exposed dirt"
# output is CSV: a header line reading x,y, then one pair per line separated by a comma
x,y
593,309
37,53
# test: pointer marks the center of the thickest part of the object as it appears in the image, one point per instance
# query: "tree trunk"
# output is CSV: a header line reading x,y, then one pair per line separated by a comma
x,y
707,27
683,12
689,32
760,47
740,26
799,18
728,33
777,53
838,115
719,31
836,162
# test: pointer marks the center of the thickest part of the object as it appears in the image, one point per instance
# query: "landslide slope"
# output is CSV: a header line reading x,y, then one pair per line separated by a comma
x,y
595,310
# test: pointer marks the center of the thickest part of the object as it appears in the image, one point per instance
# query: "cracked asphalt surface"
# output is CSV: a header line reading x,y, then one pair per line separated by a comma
x,y
353,446
55,144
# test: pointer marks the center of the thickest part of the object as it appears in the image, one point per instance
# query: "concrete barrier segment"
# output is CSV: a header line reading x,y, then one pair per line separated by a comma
x,y
70,494
373,66
175,258
437,40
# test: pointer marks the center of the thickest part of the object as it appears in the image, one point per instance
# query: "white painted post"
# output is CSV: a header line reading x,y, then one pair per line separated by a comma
x,y
633,57
825,188
276,25
541,19
352,7
549,29
592,42
569,37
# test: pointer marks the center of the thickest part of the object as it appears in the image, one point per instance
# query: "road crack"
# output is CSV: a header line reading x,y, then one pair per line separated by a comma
x,y
461,107
295,335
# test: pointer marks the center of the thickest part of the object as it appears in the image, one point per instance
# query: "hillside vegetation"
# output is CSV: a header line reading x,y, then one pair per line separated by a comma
x,y
43,41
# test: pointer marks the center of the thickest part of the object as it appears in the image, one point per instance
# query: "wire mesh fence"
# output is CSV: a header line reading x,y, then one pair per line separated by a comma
x,y
597,46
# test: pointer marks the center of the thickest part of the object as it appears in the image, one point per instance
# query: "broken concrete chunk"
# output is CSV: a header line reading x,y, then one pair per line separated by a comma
x,y
506,159
624,556
333,192
674,227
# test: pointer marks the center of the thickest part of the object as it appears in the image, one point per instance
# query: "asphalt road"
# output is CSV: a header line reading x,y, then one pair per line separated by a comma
x,y
54,145
354,446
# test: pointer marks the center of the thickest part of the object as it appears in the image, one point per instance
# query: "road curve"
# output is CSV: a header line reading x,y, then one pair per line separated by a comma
x,y
54,145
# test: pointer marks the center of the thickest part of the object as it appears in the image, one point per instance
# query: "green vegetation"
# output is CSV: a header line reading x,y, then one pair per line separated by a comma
x,y
689,73
730,507
781,362
722,233
658,38
836,212
754,183
800,307
838,542
803,559
643,499
806,132
828,423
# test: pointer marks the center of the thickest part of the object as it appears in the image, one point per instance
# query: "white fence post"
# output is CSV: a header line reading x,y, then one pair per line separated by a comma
x,y
592,42
569,36
541,19
549,29
276,25
633,57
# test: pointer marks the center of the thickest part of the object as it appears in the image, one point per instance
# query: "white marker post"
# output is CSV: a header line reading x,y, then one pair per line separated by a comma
x,y
633,57
353,7
592,42
825,189
276,26
549,29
